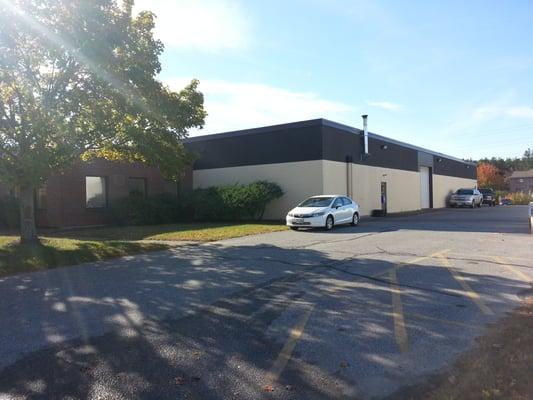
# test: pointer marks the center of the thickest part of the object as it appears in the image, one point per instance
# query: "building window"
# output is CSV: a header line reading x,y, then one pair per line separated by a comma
x,y
41,198
95,192
137,186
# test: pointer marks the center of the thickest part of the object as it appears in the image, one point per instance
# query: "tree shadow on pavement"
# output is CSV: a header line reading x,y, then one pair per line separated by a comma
x,y
208,322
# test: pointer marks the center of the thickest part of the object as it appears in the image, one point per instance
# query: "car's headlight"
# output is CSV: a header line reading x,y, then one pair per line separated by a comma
x,y
290,215
318,214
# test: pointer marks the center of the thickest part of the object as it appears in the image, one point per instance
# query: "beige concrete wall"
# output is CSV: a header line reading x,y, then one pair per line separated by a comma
x,y
444,186
403,187
307,178
297,179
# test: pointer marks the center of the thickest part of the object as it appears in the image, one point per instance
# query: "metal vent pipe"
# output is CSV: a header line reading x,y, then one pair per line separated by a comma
x,y
365,133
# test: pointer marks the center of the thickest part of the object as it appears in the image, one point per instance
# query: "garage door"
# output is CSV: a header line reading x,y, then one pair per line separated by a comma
x,y
424,187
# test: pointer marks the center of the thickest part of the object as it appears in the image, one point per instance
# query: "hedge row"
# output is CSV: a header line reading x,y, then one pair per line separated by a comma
x,y
220,203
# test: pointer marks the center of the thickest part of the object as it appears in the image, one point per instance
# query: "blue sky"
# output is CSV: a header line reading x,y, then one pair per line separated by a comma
x,y
452,76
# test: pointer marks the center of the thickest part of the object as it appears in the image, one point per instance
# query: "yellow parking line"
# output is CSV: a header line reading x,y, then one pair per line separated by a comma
x,y
422,258
444,321
514,270
466,287
488,256
286,352
400,332
413,261
397,313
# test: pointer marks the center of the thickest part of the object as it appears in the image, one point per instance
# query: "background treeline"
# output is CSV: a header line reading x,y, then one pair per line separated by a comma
x,y
523,163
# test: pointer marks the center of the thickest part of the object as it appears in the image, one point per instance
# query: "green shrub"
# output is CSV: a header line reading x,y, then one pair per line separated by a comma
x,y
258,195
209,205
520,198
234,202
218,203
137,209
9,213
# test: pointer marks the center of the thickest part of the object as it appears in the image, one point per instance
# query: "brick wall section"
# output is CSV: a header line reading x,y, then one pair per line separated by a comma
x,y
525,186
65,206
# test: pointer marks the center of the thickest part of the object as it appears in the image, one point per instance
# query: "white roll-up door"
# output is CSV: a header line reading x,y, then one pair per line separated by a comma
x,y
424,187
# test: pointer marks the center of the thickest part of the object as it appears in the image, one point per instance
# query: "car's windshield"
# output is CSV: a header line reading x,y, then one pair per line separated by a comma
x,y
465,191
485,191
316,202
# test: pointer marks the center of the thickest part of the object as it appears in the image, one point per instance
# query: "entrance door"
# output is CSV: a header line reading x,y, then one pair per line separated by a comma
x,y
384,197
424,187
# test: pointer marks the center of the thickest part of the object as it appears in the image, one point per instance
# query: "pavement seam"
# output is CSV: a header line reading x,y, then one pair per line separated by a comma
x,y
400,332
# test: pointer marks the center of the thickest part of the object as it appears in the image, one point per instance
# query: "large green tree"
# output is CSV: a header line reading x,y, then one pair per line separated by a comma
x,y
78,79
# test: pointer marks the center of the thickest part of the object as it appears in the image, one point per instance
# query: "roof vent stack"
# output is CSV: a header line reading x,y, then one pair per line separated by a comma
x,y
365,134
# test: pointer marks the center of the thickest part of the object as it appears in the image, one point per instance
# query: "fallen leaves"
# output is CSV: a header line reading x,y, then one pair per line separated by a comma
x,y
268,388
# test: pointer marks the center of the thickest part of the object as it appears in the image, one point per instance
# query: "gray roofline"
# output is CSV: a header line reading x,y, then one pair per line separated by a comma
x,y
323,122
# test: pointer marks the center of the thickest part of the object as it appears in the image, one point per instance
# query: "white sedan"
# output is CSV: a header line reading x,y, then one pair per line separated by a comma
x,y
324,212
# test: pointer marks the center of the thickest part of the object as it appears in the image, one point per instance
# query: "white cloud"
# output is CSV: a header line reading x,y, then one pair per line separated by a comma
x,y
490,112
386,105
207,25
520,111
235,105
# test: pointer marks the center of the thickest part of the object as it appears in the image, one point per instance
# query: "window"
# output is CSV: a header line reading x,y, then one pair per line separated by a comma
x,y
316,202
137,186
346,201
337,202
95,192
41,198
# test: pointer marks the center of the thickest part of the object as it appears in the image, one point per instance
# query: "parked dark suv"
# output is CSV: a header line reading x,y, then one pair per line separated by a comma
x,y
489,197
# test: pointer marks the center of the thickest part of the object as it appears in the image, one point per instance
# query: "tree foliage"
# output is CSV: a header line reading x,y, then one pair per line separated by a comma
x,y
490,176
523,163
78,79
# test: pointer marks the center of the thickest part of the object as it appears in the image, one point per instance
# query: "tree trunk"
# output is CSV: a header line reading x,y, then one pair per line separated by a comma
x,y
28,232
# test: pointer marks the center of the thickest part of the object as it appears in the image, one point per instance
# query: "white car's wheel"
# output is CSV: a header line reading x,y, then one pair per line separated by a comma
x,y
329,223
355,219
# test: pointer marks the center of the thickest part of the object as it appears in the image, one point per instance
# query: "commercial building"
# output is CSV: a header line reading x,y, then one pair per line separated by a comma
x,y
324,157
305,158
521,181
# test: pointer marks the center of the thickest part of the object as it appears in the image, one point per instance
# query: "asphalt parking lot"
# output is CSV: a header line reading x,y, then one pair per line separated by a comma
x,y
356,313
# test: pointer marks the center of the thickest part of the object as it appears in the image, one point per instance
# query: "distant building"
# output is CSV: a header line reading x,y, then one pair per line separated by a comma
x,y
521,181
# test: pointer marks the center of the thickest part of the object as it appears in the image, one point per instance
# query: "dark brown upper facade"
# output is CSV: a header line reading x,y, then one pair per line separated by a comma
x,y
315,140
